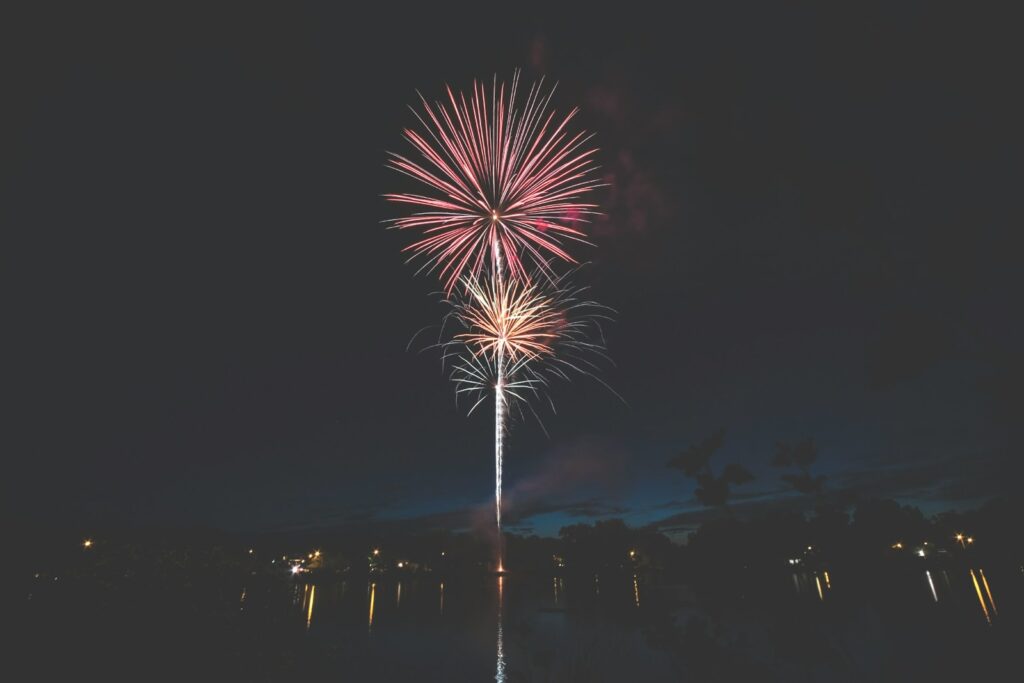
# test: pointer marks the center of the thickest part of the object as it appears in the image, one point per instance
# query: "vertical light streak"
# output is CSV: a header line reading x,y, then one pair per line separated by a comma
x,y
309,615
984,582
373,592
499,402
981,600
398,598
636,592
931,584
817,581
828,581
499,669
442,598
499,437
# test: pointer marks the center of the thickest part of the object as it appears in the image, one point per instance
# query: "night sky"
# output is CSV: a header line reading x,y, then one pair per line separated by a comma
x,y
807,233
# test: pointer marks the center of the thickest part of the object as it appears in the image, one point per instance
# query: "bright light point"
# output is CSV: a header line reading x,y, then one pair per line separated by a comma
x,y
376,551
970,540
921,553
296,569
87,543
401,564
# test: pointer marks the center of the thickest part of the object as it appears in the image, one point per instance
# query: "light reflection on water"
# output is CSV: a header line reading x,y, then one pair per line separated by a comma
x,y
373,594
309,614
499,669
556,612
981,600
937,584
988,592
931,584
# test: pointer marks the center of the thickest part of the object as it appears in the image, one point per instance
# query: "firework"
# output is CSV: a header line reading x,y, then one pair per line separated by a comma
x,y
505,179
515,338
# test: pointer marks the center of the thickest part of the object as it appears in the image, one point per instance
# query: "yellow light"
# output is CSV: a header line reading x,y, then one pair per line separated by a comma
x,y
376,551
87,543
632,553
959,537
970,540
312,597
316,554
494,215
988,592
981,600
373,592
401,564
310,556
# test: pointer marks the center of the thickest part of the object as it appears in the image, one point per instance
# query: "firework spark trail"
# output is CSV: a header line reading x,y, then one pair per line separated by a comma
x,y
506,182
499,403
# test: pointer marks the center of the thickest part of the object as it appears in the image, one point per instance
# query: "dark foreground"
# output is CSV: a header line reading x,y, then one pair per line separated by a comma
x,y
908,623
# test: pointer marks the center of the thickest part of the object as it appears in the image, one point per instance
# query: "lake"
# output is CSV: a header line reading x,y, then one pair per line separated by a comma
x,y
912,624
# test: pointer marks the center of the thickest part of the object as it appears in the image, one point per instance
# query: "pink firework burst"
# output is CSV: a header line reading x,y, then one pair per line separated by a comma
x,y
505,182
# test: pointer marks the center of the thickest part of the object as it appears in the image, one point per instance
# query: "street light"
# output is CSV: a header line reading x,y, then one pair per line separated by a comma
x,y
960,537
87,543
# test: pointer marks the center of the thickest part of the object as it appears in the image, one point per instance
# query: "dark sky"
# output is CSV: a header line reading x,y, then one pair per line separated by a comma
x,y
808,233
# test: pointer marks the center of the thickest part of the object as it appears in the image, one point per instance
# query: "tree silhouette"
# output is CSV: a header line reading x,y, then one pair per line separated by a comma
x,y
695,462
800,455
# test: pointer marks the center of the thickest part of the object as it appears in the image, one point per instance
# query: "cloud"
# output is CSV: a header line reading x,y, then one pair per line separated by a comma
x,y
950,479
577,480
